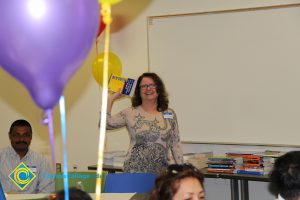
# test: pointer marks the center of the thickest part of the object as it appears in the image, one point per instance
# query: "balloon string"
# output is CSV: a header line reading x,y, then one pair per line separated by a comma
x,y
64,141
97,46
106,12
51,136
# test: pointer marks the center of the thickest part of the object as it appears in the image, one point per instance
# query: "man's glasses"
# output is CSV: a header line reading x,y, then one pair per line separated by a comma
x,y
146,86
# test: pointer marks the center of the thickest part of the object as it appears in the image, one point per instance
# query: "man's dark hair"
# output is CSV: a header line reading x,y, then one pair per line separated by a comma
x,y
285,176
20,122
74,194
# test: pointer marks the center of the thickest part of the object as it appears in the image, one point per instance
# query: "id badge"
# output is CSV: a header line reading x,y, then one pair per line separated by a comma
x,y
168,115
33,169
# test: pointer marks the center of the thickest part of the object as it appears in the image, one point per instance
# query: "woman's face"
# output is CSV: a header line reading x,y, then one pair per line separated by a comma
x,y
189,189
148,89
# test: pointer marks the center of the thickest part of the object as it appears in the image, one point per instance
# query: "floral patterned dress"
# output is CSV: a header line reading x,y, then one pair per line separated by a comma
x,y
151,138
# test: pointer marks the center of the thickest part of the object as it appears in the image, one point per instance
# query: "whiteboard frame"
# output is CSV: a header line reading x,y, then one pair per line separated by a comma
x,y
149,23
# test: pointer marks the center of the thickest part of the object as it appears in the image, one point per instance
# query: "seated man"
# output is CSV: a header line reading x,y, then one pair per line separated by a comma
x,y
16,178
285,177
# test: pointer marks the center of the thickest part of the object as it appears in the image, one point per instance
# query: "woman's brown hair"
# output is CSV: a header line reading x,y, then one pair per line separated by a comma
x,y
162,100
167,184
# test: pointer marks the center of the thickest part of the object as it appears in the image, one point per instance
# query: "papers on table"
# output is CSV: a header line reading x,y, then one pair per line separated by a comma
x,y
115,158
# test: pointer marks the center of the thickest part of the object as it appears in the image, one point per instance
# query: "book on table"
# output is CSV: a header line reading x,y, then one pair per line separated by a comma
x,y
221,164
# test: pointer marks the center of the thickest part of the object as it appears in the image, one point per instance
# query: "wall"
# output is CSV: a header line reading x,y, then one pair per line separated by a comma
x,y
129,42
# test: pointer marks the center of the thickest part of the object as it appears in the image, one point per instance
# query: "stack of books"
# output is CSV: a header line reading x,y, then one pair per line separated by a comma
x,y
269,158
253,164
222,164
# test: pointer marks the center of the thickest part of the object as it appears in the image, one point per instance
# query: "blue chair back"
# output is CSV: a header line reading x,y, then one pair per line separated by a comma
x,y
129,183
2,195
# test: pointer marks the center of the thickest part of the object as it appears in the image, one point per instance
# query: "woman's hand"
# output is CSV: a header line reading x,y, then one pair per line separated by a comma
x,y
112,96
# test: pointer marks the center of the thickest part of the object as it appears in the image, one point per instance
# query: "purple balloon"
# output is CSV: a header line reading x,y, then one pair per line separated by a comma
x,y
43,43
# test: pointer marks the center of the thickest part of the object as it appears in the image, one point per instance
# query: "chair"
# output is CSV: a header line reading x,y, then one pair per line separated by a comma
x,y
129,183
2,195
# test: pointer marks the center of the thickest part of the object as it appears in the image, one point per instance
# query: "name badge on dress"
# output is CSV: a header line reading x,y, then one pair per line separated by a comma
x,y
168,115
32,168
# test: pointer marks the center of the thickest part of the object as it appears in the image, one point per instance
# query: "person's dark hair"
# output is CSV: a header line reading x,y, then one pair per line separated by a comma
x,y
74,194
162,100
167,184
19,123
285,176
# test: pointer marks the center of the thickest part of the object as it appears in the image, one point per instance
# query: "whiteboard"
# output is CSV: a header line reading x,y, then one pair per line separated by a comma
x,y
232,76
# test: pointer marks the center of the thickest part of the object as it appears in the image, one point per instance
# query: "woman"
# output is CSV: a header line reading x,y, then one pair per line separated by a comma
x,y
152,126
179,182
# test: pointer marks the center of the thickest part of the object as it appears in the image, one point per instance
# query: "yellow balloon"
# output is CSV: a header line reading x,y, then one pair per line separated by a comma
x,y
114,67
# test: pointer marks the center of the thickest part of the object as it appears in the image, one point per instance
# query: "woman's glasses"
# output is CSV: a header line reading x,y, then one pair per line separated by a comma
x,y
146,86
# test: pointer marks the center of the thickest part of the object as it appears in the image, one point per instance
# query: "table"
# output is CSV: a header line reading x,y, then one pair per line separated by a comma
x,y
234,182
108,168
235,179
104,196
